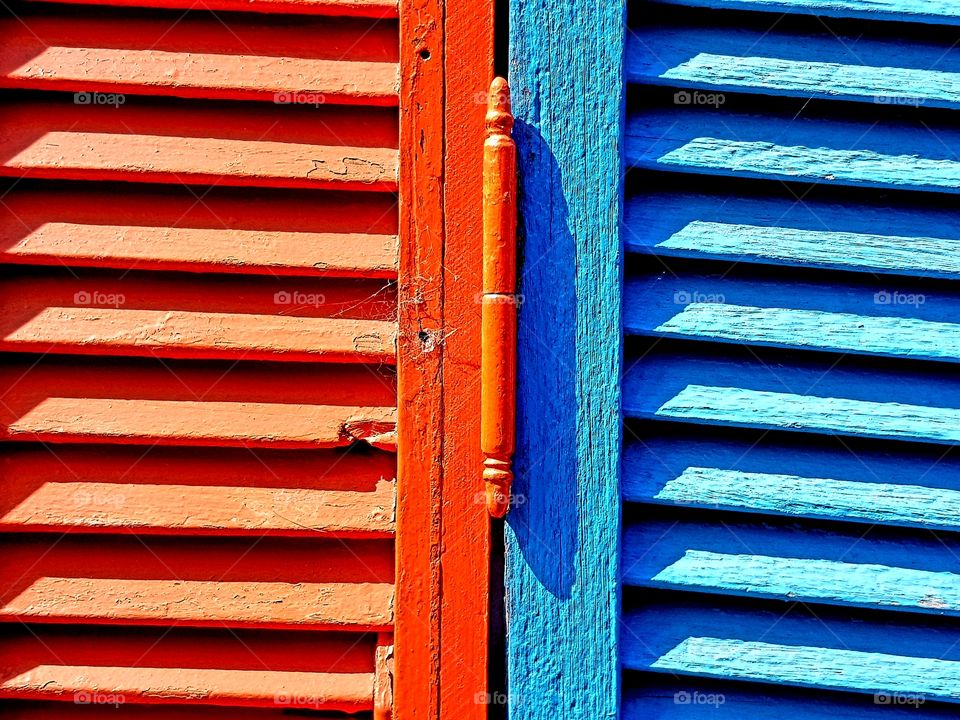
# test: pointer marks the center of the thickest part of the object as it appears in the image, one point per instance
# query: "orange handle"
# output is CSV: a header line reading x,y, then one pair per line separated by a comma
x,y
498,365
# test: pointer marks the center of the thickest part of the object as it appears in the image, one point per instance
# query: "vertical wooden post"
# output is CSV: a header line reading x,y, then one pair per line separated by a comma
x,y
498,369
563,540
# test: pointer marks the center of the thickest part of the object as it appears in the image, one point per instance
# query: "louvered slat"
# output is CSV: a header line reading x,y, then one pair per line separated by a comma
x,y
199,409
788,475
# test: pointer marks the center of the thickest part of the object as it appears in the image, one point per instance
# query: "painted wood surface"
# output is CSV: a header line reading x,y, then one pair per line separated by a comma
x,y
936,12
815,667
177,666
163,468
824,147
250,231
820,64
353,8
198,492
309,61
469,632
887,235
351,149
563,540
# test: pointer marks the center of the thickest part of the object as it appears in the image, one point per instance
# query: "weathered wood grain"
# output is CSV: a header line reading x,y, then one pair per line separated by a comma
x,y
934,12
823,146
149,144
815,667
812,580
353,8
827,498
809,64
563,541
310,61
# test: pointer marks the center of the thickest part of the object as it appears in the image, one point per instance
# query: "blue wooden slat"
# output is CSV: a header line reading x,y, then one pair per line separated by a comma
x,y
815,667
562,536
823,148
659,621
826,498
741,387
661,538
729,59
879,237
815,580
937,12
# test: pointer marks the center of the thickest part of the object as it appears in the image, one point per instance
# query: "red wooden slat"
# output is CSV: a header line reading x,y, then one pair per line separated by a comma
x,y
354,8
195,491
274,232
161,144
305,61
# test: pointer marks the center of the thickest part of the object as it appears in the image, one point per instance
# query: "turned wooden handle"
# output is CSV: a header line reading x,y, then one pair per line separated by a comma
x,y
498,366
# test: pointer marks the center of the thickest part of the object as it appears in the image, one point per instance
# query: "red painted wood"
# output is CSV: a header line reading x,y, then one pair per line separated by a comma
x,y
191,491
182,666
355,8
302,60
280,232
420,362
466,526
328,147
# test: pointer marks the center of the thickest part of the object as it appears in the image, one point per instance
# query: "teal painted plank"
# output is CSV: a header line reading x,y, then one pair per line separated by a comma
x,y
826,498
812,580
865,67
811,164
824,145
562,541
777,410
840,332
939,12
899,254
927,678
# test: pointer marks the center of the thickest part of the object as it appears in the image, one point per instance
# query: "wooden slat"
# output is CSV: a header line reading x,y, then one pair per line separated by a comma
x,y
174,666
197,492
655,622
242,424
353,8
199,583
777,309
813,580
815,667
815,64
749,388
50,710
278,233
308,61
935,12
173,334
821,147
880,236
335,149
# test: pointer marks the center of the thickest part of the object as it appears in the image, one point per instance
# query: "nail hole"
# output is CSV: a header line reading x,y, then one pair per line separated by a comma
x,y
424,54
423,335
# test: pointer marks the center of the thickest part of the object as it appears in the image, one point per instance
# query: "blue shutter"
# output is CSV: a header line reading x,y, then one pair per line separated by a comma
x,y
790,399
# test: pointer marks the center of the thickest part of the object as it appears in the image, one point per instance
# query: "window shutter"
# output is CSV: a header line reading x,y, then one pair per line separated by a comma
x,y
200,239
783,517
